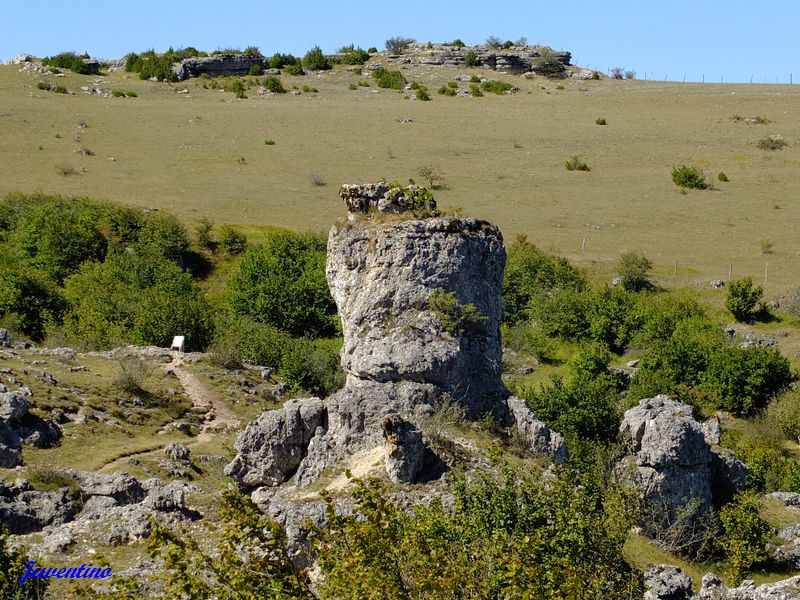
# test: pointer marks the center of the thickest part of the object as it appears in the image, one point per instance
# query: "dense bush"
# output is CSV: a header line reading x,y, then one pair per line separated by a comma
x,y
746,535
315,60
353,55
241,338
273,84
135,298
697,364
471,58
389,79
659,314
689,177
496,87
633,270
501,537
295,69
279,61
30,301
282,283
532,273
68,60
313,366
742,299
162,234
231,241
150,64
576,163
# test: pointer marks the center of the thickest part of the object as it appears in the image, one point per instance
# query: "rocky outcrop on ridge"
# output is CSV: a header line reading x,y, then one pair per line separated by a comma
x,y
675,467
400,353
219,65
514,60
665,582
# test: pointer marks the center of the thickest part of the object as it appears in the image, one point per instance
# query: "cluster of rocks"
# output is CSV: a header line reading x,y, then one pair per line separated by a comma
x,y
18,426
665,582
515,60
361,198
677,464
119,505
399,356
219,65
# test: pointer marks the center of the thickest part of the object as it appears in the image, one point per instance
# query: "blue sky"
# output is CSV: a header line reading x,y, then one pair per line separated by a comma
x,y
734,40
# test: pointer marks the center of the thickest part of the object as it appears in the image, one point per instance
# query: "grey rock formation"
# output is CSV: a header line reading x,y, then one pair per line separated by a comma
x,y
219,65
712,588
13,406
665,582
675,467
272,447
122,487
540,438
404,450
400,354
18,426
177,451
516,59
5,337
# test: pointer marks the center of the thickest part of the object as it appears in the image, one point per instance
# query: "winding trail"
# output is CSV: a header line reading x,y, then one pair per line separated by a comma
x,y
218,414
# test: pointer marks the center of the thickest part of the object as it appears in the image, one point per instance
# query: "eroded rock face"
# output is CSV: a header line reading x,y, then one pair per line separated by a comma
x,y
539,438
665,582
272,447
219,65
400,352
675,467
18,426
713,588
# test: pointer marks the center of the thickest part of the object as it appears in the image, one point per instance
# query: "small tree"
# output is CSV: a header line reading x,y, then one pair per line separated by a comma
x,y
689,177
315,60
493,41
431,174
633,269
746,534
471,59
742,298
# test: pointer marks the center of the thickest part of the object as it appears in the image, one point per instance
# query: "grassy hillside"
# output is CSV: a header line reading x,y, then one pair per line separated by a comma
x,y
502,156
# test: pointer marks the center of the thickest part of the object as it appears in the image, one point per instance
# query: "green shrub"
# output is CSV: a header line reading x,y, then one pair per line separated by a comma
x,y
446,91
273,84
133,371
474,79
279,61
496,87
393,80
162,234
282,283
659,314
313,366
315,60
471,58
372,50
475,90
548,64
633,270
13,565
255,71
230,240
530,274
422,94
617,72
60,89
772,142
530,338
742,299
68,60
456,318
722,177
241,338
560,88
30,300
309,90
352,86
500,537
41,85
269,142
689,177
238,87
295,69
353,55
117,93
575,163
746,535
149,64
600,121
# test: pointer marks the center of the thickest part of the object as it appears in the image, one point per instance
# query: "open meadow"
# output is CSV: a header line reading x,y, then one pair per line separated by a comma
x,y
203,154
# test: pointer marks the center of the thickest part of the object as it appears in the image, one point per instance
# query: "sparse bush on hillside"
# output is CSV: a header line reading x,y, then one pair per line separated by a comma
x,y
273,84
398,45
600,121
255,71
393,80
772,142
742,299
471,58
315,60
68,60
493,41
421,93
353,55
295,69
446,91
496,87
475,90
633,270
722,177
237,86
547,64
617,72
689,177
431,174
575,163
133,372
630,74
202,233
